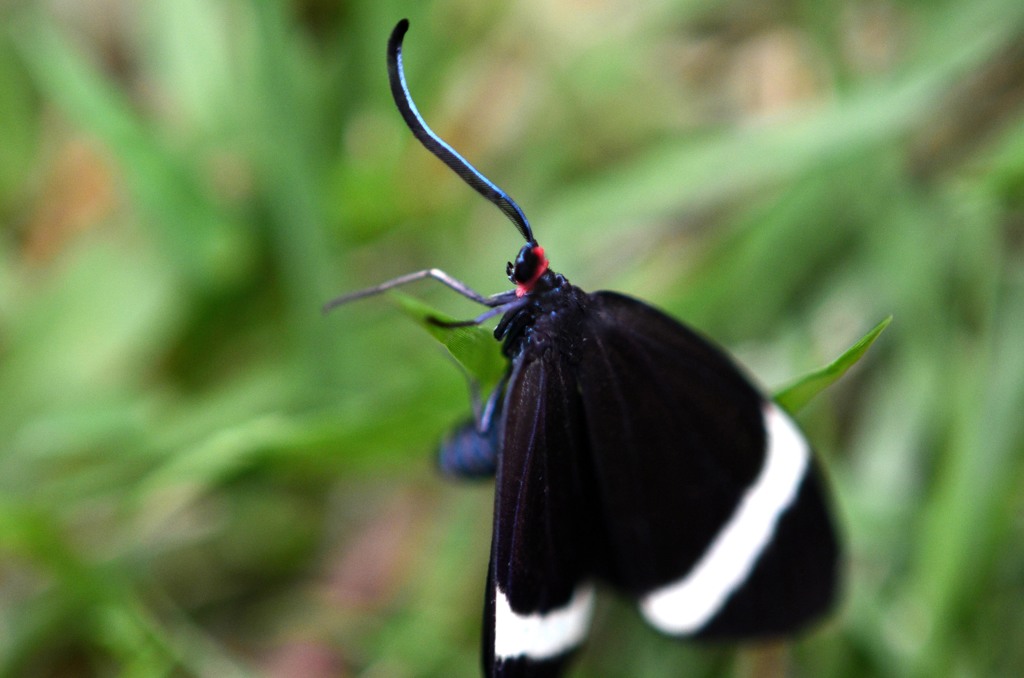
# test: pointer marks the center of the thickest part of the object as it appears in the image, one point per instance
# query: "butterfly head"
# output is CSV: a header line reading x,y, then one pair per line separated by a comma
x,y
530,265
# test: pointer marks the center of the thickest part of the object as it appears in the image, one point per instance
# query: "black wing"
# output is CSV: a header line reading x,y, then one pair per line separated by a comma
x,y
539,588
636,452
713,508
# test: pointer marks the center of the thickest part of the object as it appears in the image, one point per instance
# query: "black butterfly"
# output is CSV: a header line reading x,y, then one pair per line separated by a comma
x,y
630,451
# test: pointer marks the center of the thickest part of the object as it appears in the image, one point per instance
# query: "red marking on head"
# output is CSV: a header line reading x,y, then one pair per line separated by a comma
x,y
526,287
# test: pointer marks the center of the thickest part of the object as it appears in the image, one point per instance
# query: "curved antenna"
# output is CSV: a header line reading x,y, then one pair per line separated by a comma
x,y
437,145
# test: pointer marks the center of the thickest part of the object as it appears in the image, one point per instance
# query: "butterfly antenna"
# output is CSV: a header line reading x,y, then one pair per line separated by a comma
x,y
437,145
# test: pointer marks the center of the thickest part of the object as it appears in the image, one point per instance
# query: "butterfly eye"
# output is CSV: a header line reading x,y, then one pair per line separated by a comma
x,y
522,270
529,267
530,264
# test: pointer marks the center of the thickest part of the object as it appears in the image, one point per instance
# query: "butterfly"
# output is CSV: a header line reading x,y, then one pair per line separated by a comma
x,y
628,451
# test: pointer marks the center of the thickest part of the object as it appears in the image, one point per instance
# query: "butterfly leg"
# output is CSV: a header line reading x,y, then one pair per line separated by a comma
x,y
512,305
433,273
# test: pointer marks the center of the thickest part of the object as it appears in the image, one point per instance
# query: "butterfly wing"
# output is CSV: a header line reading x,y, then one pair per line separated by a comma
x,y
539,591
635,451
712,506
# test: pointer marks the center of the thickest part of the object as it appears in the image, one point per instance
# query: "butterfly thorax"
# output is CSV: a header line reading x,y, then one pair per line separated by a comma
x,y
549,320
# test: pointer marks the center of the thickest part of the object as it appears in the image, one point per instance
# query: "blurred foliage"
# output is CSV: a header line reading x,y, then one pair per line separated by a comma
x,y
201,475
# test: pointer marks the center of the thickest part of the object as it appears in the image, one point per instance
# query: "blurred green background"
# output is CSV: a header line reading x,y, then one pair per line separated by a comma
x,y
201,475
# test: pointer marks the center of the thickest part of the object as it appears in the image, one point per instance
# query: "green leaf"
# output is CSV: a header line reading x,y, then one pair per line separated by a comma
x,y
795,396
475,349
472,347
